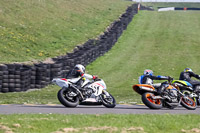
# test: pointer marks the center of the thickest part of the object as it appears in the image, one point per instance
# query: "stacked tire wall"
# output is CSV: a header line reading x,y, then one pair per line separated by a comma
x,y
21,77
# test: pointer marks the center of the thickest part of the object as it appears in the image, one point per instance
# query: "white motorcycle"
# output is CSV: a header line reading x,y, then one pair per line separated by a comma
x,y
71,95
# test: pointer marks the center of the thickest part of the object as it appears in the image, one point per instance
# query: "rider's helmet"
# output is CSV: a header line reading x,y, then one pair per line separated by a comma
x,y
80,68
187,70
148,72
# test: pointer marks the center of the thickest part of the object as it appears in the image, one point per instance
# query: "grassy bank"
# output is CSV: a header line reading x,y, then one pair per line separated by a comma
x,y
166,42
36,29
54,123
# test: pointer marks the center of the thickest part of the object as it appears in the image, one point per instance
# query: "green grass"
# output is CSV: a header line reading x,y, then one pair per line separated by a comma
x,y
37,29
166,42
47,95
50,123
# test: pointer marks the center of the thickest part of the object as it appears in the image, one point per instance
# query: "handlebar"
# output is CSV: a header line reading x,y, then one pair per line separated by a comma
x,y
170,79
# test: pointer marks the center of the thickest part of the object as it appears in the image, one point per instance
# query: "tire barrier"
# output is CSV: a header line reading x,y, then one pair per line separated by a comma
x,y
21,77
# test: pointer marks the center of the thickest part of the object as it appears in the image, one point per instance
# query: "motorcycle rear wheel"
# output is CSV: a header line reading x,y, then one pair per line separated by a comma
x,y
188,103
65,100
150,102
106,101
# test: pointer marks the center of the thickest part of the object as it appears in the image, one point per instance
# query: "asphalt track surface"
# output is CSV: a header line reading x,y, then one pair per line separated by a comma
x,y
83,109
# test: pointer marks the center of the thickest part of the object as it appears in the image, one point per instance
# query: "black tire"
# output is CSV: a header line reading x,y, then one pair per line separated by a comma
x,y
5,76
17,89
56,65
5,85
4,90
106,101
188,103
17,72
65,101
17,80
1,73
151,103
3,67
17,76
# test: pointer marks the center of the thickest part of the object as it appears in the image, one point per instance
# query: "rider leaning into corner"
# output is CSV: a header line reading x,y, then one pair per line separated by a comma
x,y
187,74
148,77
79,71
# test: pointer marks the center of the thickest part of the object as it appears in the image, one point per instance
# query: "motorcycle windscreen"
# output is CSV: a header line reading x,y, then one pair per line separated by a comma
x,y
74,80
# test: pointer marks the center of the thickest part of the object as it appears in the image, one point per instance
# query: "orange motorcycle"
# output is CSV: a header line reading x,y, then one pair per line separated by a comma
x,y
171,96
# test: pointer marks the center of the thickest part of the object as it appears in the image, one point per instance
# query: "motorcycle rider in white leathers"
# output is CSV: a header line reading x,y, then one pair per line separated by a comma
x,y
79,71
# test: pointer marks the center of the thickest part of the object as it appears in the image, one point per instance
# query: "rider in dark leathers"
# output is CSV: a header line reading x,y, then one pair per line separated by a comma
x,y
187,74
148,78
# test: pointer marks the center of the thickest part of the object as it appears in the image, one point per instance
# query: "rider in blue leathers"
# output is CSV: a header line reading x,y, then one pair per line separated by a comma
x,y
148,77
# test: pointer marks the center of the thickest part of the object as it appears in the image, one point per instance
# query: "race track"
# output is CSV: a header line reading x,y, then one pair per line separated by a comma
x,y
82,109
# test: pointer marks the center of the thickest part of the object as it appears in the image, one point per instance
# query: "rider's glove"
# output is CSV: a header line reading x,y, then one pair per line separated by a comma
x,y
95,77
170,78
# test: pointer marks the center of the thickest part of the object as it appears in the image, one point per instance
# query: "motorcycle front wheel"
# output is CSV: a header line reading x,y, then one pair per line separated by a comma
x,y
188,103
147,99
188,93
66,100
108,101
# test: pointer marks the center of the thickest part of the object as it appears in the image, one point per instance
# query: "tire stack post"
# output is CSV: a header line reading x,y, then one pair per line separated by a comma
x,y
33,77
17,77
48,74
1,77
41,75
56,70
4,88
25,72
65,67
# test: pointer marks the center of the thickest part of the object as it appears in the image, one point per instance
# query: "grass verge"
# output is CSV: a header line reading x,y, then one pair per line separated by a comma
x,y
110,123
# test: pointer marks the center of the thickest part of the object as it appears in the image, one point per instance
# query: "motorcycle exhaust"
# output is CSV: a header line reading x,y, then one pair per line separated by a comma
x,y
156,97
147,89
77,91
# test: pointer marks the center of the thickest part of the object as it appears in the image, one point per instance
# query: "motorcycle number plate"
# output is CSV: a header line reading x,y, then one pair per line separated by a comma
x,y
97,88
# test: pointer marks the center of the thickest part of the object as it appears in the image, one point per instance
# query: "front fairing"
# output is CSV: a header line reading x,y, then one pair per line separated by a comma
x,y
102,83
98,87
182,82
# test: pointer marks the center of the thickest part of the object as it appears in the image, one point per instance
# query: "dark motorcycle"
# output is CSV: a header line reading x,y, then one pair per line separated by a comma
x,y
188,89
